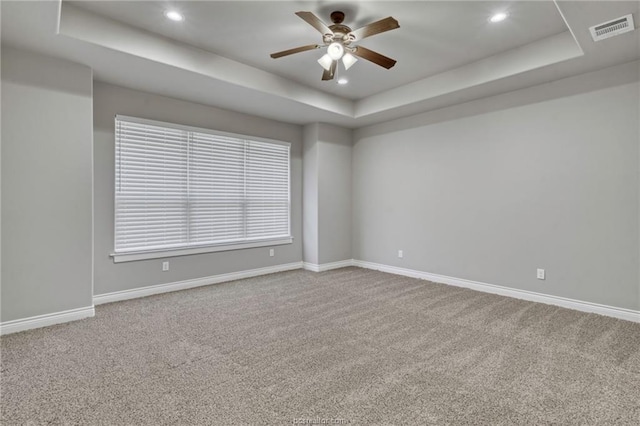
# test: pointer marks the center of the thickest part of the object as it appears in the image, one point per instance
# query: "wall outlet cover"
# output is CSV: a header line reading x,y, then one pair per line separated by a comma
x,y
541,274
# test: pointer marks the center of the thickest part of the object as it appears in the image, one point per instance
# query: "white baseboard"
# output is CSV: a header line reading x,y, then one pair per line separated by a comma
x,y
46,320
197,282
15,326
314,267
578,305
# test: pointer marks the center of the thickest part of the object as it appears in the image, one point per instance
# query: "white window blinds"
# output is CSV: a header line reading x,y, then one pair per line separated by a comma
x,y
178,187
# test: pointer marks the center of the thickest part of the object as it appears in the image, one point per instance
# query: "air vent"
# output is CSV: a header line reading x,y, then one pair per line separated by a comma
x,y
612,28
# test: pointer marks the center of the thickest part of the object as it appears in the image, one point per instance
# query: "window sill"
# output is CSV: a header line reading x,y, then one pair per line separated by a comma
x,y
158,254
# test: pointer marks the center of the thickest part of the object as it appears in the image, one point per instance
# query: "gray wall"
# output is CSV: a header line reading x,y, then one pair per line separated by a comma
x,y
111,100
46,185
334,193
488,191
327,193
546,177
310,194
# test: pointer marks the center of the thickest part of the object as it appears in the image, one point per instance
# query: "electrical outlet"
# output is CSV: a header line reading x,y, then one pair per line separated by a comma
x,y
400,254
272,252
540,274
165,266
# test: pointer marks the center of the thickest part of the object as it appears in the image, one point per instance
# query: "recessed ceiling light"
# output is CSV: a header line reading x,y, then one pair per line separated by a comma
x,y
499,17
342,80
174,16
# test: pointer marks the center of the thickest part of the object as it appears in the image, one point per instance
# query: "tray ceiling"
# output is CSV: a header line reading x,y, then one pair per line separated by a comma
x,y
447,51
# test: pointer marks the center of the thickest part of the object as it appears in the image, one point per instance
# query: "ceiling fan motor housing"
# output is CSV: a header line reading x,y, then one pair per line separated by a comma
x,y
340,32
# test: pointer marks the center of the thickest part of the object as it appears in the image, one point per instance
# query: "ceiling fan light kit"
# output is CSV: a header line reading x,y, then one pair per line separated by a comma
x,y
338,39
335,51
325,61
348,59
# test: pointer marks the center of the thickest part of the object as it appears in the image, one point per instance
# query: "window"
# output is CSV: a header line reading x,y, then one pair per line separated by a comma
x,y
184,190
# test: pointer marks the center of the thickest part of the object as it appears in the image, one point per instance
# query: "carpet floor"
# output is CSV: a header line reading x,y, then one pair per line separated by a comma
x,y
349,346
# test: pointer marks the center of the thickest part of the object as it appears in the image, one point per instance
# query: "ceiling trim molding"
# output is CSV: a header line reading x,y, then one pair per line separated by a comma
x,y
548,51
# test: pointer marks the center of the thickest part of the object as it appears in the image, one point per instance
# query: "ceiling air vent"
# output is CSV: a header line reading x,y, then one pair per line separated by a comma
x,y
612,28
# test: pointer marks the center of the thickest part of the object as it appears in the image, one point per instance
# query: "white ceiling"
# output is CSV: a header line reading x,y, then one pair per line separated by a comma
x,y
447,51
433,36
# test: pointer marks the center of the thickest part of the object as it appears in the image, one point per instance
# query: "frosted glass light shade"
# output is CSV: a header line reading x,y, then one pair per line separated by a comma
x,y
348,59
335,51
326,61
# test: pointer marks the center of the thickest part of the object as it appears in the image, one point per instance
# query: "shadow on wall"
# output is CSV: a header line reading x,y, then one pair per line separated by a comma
x,y
28,72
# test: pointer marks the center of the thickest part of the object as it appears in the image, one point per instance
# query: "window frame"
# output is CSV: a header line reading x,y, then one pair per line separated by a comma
x,y
127,256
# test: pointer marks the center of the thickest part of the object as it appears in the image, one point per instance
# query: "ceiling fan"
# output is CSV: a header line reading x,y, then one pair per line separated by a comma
x,y
339,39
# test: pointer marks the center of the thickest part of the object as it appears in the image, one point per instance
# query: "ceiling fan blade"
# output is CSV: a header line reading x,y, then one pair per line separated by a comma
x,y
315,22
386,24
374,57
331,72
295,50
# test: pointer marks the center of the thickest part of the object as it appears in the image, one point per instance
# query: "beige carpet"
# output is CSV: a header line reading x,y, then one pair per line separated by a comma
x,y
355,345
